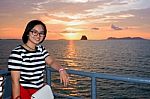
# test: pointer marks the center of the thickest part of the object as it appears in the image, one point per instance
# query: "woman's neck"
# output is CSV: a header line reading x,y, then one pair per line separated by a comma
x,y
30,46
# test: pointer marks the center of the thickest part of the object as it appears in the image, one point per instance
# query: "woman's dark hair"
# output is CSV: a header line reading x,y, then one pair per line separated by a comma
x,y
29,27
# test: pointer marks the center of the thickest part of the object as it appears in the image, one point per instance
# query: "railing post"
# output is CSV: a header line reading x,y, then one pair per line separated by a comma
x,y
93,88
48,76
7,87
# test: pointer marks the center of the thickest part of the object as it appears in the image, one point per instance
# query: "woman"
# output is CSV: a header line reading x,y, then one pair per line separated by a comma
x,y
27,62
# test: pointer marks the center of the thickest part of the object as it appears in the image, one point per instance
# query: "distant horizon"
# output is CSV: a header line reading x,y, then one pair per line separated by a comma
x,y
87,39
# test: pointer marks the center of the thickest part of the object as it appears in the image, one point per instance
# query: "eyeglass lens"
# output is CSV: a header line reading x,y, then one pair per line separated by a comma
x,y
35,33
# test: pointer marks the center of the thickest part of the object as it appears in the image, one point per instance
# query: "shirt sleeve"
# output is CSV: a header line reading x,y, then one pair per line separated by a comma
x,y
15,61
45,52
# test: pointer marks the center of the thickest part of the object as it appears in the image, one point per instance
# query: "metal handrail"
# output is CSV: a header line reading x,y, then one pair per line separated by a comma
x,y
92,75
6,84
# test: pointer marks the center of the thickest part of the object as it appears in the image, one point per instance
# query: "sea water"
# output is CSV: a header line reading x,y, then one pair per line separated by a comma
x,y
119,57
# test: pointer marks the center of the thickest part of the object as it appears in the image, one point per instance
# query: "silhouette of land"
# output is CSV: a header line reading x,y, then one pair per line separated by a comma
x,y
83,37
126,38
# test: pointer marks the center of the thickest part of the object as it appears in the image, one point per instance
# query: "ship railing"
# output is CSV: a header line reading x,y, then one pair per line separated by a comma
x,y
6,84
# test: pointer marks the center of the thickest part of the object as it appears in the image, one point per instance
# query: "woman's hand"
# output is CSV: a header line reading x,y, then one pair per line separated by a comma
x,y
64,77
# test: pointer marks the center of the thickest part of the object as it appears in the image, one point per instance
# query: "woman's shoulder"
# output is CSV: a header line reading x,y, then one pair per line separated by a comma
x,y
41,48
18,48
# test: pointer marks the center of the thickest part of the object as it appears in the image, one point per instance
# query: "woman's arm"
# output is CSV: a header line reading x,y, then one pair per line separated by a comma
x,y
15,76
63,74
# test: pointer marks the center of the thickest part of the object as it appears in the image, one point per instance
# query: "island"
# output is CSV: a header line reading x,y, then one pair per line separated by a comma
x,y
126,38
83,37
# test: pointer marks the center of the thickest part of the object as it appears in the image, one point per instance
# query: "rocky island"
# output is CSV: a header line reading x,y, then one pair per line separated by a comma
x,y
83,37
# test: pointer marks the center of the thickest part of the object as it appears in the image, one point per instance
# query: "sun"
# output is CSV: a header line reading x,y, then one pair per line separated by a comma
x,y
71,36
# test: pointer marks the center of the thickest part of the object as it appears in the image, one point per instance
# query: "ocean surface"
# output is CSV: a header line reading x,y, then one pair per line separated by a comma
x,y
119,57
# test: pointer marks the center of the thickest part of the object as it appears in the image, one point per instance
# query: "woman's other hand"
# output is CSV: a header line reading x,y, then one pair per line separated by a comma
x,y
64,77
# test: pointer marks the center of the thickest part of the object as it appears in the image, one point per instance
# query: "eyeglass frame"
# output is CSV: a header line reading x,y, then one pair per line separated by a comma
x,y
36,33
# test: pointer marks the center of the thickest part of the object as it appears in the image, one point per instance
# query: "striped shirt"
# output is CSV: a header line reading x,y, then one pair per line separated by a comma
x,y
31,65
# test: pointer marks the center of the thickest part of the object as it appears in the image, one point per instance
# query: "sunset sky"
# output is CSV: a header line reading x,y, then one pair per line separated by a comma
x,y
70,19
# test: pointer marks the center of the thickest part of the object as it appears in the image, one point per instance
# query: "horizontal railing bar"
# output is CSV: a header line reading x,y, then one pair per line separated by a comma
x,y
66,97
110,76
4,72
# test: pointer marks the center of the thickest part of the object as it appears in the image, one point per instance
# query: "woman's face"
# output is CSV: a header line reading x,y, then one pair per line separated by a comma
x,y
36,35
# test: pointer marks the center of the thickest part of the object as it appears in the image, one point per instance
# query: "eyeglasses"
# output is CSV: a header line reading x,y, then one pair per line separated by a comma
x,y
36,33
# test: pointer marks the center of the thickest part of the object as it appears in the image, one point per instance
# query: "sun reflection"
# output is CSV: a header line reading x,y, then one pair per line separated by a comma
x,y
74,88
71,55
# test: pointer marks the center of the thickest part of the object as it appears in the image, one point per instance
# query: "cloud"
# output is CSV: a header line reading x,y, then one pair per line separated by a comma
x,y
65,31
76,22
121,16
74,1
67,15
42,2
114,27
74,29
115,6
78,1
5,15
95,28
55,21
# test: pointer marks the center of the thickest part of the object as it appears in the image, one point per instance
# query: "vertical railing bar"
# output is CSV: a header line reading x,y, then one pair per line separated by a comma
x,y
93,88
48,76
7,86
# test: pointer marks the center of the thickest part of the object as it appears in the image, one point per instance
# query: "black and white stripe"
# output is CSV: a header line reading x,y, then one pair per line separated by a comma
x,y
31,65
